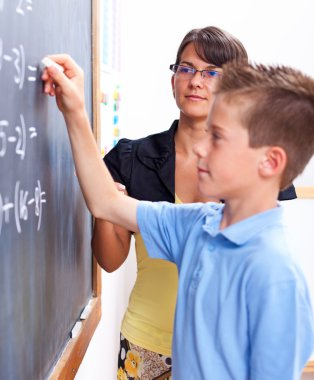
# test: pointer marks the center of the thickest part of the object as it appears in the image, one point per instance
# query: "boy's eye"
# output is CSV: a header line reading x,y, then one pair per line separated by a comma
x,y
215,136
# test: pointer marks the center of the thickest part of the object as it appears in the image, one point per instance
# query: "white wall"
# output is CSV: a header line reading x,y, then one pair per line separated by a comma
x,y
272,31
278,31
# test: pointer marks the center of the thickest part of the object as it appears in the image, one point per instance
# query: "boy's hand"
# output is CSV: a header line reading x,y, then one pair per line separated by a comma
x,y
67,86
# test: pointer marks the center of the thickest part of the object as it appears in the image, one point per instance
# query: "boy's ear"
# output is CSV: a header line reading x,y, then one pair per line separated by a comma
x,y
274,162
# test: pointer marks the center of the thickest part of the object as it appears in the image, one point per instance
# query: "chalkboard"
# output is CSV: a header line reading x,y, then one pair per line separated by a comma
x,y
47,273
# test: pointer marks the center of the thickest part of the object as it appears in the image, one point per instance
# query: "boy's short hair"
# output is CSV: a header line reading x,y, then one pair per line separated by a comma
x,y
213,45
278,109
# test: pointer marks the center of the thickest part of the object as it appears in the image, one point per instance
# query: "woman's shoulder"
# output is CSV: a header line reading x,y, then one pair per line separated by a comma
x,y
159,141
151,157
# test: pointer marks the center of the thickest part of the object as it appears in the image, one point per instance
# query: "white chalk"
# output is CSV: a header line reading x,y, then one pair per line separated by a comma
x,y
86,310
76,329
49,62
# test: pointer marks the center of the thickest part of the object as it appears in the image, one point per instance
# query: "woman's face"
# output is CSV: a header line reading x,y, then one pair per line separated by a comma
x,y
194,93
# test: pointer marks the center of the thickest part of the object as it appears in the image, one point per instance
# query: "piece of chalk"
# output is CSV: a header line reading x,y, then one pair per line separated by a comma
x,y
86,310
76,329
49,62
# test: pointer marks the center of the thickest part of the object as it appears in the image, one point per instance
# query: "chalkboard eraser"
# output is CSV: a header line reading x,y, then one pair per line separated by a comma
x,y
49,62
76,329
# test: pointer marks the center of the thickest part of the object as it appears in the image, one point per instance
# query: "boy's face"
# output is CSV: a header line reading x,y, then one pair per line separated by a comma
x,y
227,166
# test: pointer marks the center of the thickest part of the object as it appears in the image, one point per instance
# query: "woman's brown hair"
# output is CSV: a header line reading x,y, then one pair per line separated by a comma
x,y
214,46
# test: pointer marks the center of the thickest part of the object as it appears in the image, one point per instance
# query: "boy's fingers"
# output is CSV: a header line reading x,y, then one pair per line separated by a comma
x,y
57,76
71,68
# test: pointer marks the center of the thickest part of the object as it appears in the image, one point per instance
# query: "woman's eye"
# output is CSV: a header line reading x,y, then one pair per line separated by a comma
x,y
185,70
212,73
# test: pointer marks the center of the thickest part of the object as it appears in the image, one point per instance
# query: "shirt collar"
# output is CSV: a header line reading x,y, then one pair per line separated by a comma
x,y
241,232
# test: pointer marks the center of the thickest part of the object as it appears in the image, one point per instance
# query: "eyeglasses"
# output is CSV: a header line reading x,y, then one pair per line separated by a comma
x,y
187,72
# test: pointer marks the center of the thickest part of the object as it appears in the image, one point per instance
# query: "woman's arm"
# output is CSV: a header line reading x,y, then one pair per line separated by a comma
x,y
110,244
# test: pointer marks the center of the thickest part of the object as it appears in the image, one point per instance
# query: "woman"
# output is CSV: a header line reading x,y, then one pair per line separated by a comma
x,y
162,167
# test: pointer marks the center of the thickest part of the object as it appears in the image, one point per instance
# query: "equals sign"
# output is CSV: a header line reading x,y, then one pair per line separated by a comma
x,y
33,70
32,132
29,5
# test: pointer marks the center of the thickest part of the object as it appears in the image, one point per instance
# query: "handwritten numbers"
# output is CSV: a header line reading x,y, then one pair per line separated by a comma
x,y
3,139
21,140
1,52
1,213
19,8
18,61
39,200
23,206
19,65
24,5
18,139
23,210
5,207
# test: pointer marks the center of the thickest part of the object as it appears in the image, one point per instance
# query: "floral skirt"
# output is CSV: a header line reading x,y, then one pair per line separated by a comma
x,y
136,363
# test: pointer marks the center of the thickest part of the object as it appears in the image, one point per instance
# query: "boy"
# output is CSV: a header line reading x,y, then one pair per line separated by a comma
x,y
243,308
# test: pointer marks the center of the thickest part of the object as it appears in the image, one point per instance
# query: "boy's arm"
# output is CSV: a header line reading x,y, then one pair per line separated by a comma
x,y
100,193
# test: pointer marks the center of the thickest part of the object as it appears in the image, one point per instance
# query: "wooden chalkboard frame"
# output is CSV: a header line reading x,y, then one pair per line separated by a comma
x,y
305,192
71,358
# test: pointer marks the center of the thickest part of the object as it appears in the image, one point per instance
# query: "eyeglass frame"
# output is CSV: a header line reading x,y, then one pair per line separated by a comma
x,y
194,71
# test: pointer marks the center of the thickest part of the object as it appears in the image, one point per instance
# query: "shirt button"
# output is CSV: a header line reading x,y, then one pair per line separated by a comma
x,y
211,247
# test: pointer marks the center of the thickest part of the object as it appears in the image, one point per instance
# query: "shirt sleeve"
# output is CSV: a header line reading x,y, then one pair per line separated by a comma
x,y
281,329
119,161
165,226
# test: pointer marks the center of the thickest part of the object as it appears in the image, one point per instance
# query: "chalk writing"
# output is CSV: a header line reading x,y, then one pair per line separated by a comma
x,y
17,138
20,205
24,6
17,59
1,52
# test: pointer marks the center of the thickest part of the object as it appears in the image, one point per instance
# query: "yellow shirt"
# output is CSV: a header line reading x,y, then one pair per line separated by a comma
x,y
148,321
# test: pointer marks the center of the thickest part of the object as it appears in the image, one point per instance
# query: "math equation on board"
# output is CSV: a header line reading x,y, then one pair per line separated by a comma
x,y
21,204
22,6
15,55
17,137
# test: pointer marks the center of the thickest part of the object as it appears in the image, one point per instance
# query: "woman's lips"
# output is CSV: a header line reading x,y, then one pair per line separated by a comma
x,y
195,97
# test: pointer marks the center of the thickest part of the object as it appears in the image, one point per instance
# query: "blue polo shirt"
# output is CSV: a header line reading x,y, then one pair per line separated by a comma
x,y
243,309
